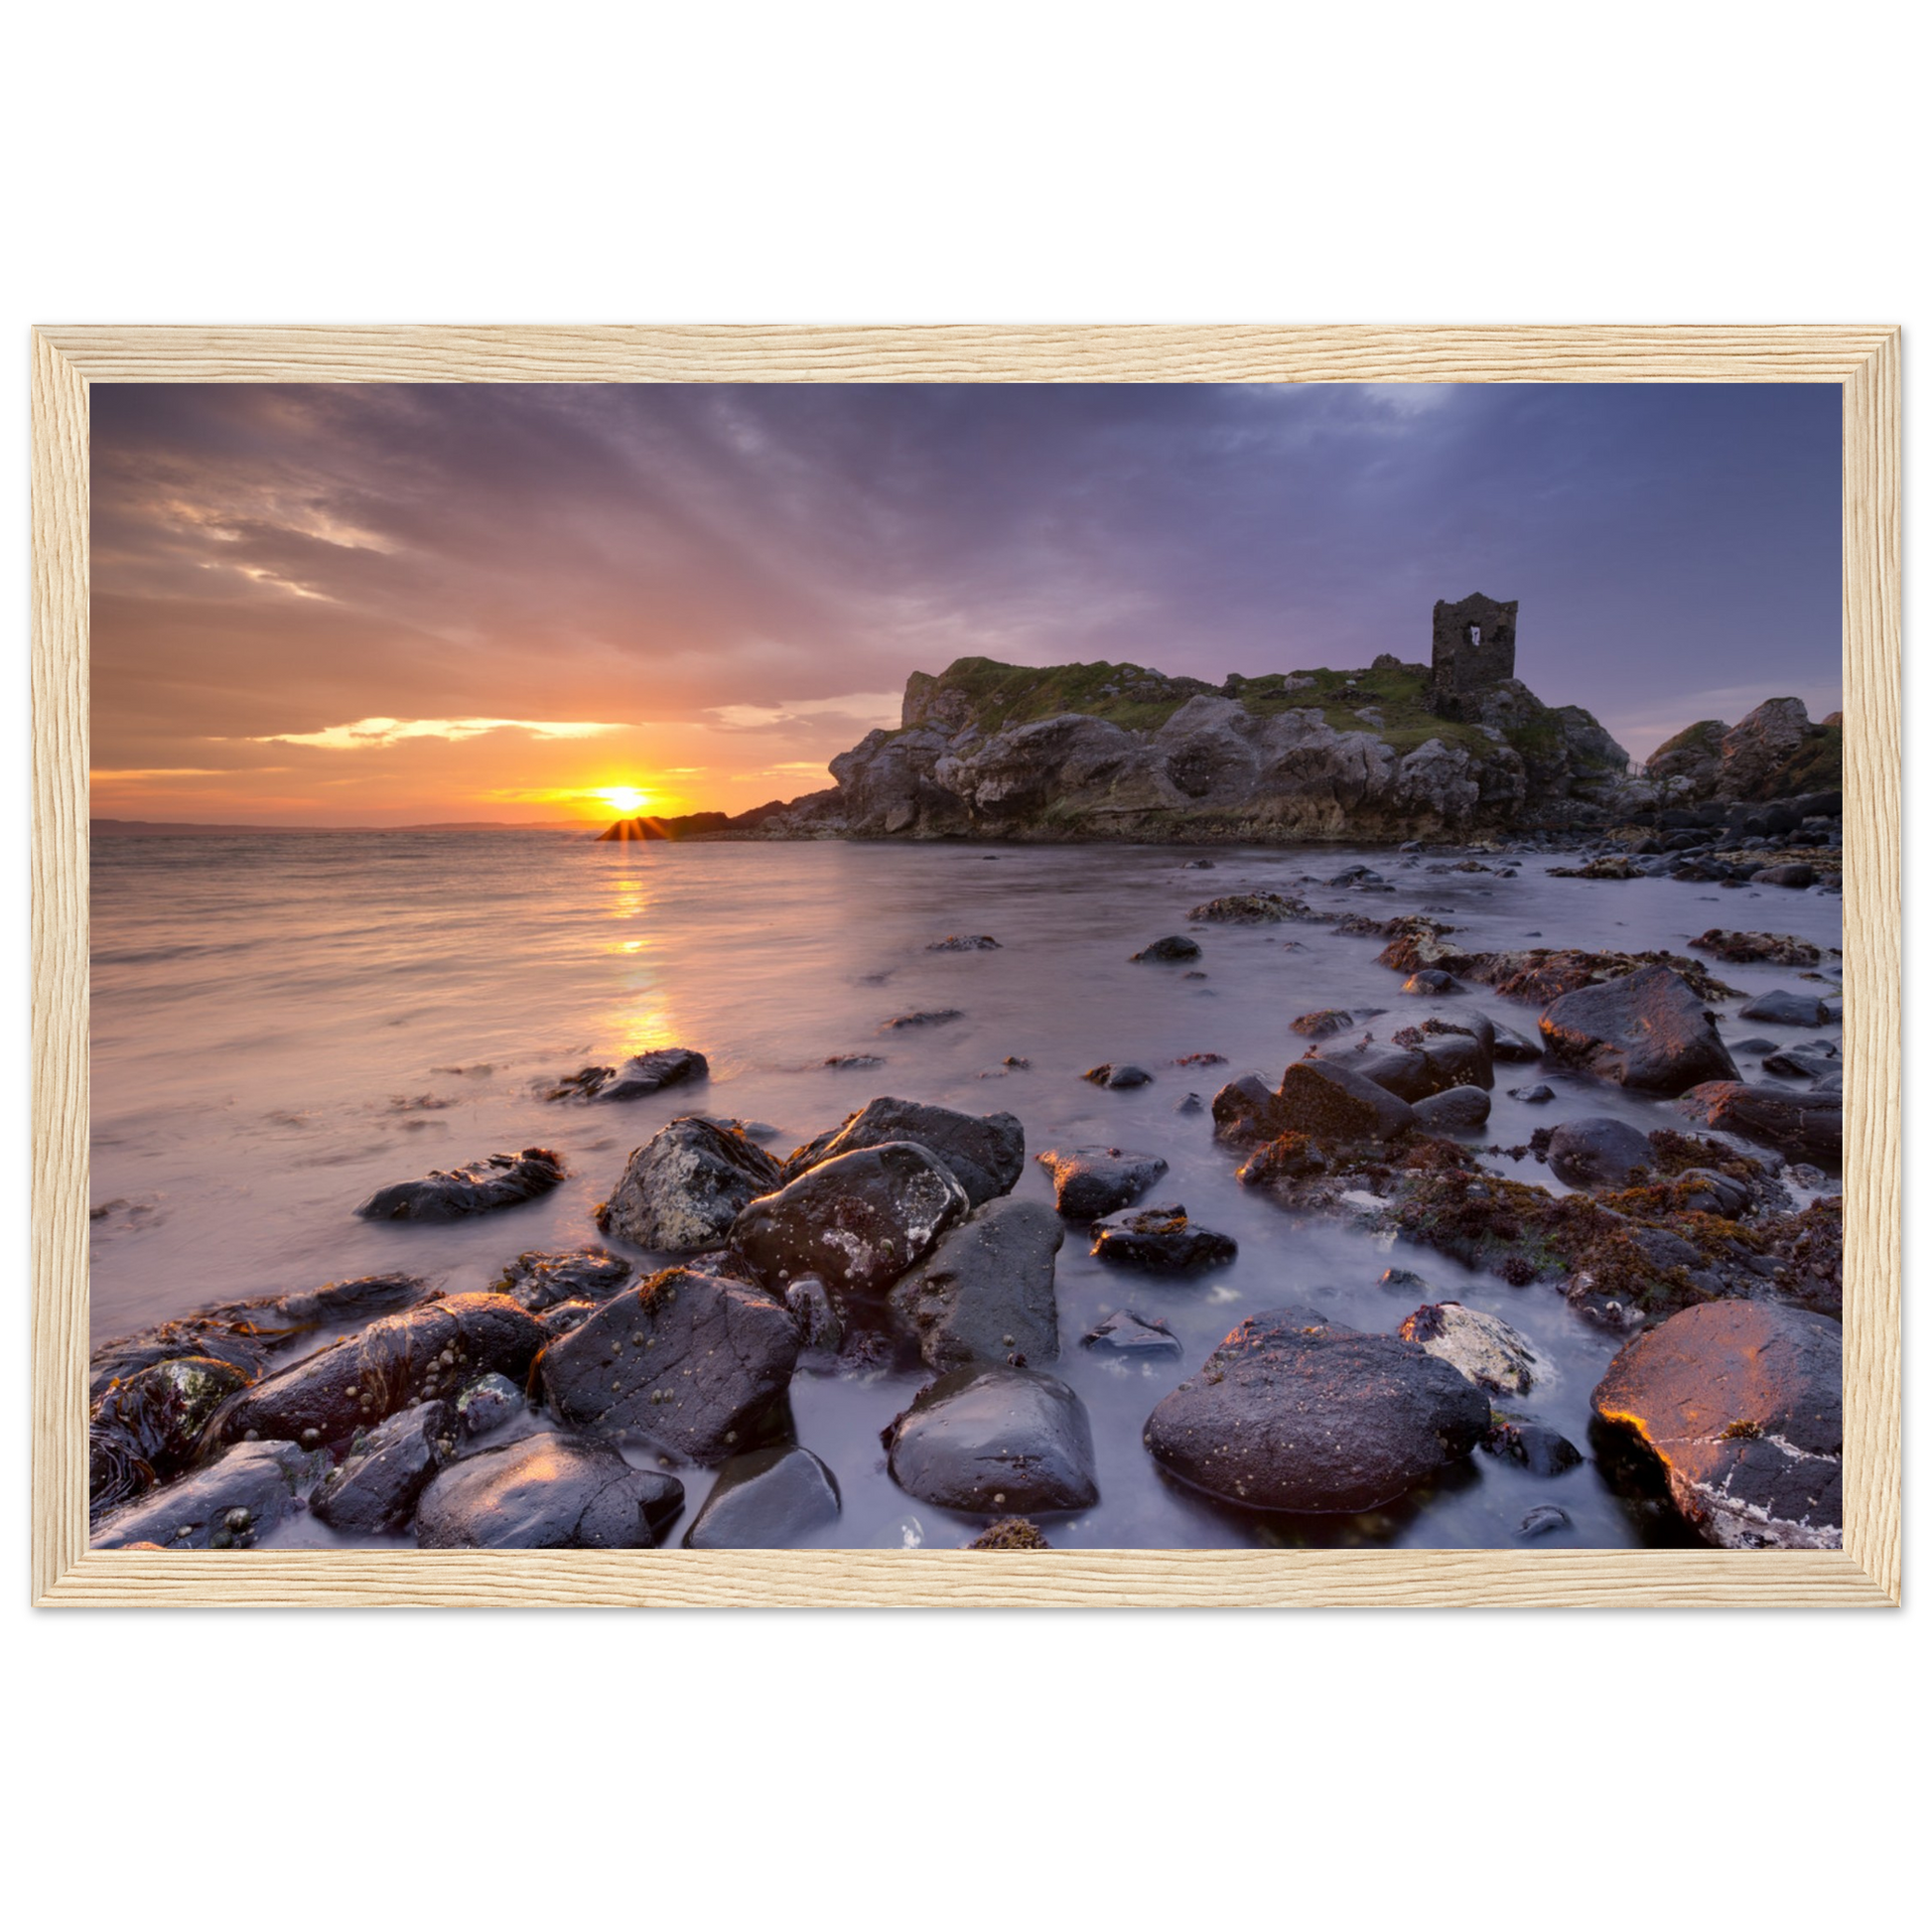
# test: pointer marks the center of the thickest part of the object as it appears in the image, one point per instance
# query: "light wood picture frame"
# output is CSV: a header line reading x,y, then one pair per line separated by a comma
x,y
1863,360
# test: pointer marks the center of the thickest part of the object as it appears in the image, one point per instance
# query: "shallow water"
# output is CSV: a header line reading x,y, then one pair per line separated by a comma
x,y
281,1025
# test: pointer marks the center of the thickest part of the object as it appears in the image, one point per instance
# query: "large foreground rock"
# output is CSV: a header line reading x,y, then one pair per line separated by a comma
x,y
986,1293
1743,1401
225,1505
374,1491
994,1439
1294,1412
856,1221
144,1429
547,1492
501,1181
766,1500
425,1352
680,1192
1089,1181
691,1361
1646,1031
1805,1123
984,1153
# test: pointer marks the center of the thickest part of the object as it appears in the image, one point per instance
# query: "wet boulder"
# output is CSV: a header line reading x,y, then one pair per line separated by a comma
x,y
769,1499
547,1492
1741,1402
1160,1240
1599,1150
1481,1346
1117,1074
1535,1096
1401,1070
1537,1448
144,1429
1133,1337
1089,1181
810,1302
691,1361
1432,982
561,1318
985,1152
680,1192
1646,1031
1323,1025
1456,1110
1175,947
1802,1123
990,1439
1542,1520
1816,1059
1331,1102
858,1221
1785,1009
644,1074
986,1293
1794,876
1294,1412
1246,1111
1702,1191
1457,1060
424,1352
1288,1156
374,1491
224,1505
244,1335
1509,1044
537,1281
489,1403
501,1181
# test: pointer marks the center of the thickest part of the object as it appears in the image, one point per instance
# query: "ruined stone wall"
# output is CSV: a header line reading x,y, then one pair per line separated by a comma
x,y
1475,649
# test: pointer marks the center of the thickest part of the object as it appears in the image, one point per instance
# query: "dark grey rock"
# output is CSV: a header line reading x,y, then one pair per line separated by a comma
x,y
995,1440
1704,1191
1646,1031
1805,1123
688,1360
1785,1009
1544,1518
374,1491
1533,1097
930,1017
1134,1336
965,942
501,1180
1456,1110
561,1318
985,1152
1542,1450
144,1428
1795,876
1432,981
489,1403
1175,946
1599,1150
769,1499
1162,1240
1089,1181
680,1192
1294,1412
1323,1025
226,1504
986,1293
1247,1111
1117,1074
1816,1059
425,1352
1509,1044
646,1074
536,1281
547,1492
810,1302
1756,1044
858,1221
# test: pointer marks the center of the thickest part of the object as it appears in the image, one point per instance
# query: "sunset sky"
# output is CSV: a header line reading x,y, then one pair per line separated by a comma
x,y
409,603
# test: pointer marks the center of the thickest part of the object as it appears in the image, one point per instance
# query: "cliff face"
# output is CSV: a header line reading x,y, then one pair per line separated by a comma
x,y
1774,753
1114,752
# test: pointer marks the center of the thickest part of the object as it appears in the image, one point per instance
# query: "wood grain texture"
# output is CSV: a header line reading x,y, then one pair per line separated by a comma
x,y
58,1213
1864,360
1126,354
1872,643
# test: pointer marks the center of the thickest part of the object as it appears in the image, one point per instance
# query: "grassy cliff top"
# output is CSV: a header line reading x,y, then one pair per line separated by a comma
x,y
1137,699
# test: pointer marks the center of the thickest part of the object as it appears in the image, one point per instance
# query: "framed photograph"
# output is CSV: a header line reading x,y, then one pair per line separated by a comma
x,y
966,966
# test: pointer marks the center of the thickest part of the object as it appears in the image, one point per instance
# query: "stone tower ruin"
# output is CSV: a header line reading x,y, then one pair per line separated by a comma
x,y
1475,649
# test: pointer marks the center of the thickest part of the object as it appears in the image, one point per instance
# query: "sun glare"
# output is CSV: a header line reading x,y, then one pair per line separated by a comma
x,y
625,800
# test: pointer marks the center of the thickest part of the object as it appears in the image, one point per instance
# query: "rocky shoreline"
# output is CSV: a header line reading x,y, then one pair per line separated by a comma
x,y
557,1409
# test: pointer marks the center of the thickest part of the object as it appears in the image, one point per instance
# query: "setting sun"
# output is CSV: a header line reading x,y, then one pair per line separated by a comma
x,y
625,800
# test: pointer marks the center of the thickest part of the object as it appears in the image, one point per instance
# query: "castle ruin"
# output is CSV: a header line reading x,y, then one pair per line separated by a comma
x,y
1475,650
